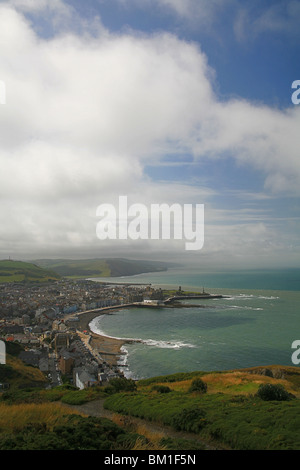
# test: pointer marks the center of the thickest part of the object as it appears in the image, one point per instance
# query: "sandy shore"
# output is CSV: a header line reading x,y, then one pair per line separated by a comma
x,y
108,348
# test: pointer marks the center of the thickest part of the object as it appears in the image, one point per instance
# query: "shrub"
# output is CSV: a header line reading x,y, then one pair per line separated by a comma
x,y
190,419
78,397
161,388
169,443
73,433
122,384
109,389
198,385
270,392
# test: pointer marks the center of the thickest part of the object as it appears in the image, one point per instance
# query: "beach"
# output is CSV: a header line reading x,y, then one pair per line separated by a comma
x,y
108,348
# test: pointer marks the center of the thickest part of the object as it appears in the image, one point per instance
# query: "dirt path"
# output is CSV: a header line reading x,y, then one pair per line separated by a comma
x,y
96,408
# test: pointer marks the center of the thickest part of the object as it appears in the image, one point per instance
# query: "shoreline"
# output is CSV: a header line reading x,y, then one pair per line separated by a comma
x,y
109,348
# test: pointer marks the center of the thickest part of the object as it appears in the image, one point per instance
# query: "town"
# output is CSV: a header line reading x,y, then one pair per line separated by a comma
x,y
45,320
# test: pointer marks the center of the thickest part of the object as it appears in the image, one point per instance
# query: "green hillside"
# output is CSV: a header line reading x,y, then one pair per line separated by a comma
x,y
106,267
17,373
19,271
248,409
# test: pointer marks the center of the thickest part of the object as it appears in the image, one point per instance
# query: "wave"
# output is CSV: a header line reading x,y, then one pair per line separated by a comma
x,y
164,344
243,307
167,344
124,356
250,296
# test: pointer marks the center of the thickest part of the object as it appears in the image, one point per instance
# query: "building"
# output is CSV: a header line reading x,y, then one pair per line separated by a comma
x,y
82,379
61,340
66,363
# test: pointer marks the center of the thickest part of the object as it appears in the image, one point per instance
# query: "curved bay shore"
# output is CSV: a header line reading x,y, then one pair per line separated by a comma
x,y
108,348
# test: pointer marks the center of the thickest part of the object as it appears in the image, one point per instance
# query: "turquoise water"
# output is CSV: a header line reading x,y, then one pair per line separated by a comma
x,y
252,326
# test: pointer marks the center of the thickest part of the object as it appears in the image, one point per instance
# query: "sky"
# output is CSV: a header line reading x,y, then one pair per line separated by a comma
x,y
161,101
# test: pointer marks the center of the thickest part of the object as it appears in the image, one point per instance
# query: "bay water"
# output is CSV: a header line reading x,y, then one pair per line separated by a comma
x,y
255,323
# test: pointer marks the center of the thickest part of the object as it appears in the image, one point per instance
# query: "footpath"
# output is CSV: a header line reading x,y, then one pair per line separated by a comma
x,y
96,408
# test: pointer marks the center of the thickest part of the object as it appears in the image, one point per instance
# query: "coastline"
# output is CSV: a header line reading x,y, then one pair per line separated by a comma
x,y
110,349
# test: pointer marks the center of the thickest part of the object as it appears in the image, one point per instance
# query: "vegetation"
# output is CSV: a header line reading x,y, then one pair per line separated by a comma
x,y
64,393
111,267
37,418
273,392
20,375
198,385
191,419
44,427
243,409
231,412
119,384
19,271
161,388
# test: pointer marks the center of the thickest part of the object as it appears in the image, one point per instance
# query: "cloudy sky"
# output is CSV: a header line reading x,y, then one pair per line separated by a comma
x,y
162,101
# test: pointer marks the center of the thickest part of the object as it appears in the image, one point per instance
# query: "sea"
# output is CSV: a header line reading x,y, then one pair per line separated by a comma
x,y
254,324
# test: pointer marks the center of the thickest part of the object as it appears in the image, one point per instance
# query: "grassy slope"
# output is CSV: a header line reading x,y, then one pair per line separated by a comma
x,y
77,268
229,415
35,418
17,374
232,414
19,271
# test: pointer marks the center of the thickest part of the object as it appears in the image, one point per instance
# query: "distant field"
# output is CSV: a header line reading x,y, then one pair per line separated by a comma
x,y
19,271
48,270
77,268
108,267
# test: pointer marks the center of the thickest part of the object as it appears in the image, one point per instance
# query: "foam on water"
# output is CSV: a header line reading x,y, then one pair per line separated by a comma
x,y
94,326
246,328
167,344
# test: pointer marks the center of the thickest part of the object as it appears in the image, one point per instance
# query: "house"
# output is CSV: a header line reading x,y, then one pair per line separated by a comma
x,y
59,325
82,379
61,340
153,302
103,378
44,364
31,357
66,362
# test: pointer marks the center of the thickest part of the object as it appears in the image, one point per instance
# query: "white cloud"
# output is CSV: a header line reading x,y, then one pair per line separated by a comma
x,y
260,136
280,17
84,114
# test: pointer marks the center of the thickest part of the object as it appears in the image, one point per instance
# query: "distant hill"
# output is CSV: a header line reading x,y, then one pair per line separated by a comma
x,y
19,271
107,267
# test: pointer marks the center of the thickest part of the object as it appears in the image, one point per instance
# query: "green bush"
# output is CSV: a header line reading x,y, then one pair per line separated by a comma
x,y
77,433
274,392
198,385
190,419
182,444
161,388
6,372
77,397
121,384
